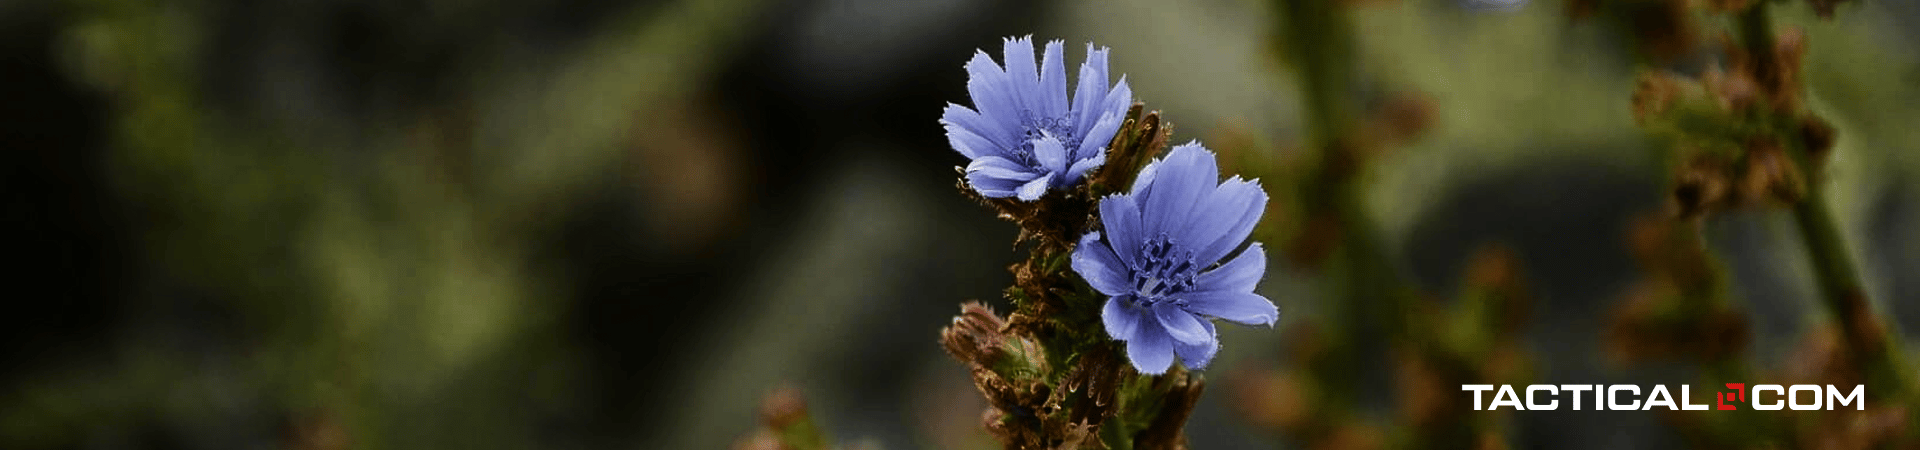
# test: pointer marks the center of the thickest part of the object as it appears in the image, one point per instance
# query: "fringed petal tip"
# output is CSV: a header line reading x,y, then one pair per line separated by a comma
x,y
1245,308
1197,355
1035,188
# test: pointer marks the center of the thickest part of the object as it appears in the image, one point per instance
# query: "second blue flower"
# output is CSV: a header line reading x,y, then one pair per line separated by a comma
x,y
1162,262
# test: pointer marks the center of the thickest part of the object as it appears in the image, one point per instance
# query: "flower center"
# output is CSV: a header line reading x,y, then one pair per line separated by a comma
x,y
1031,127
1165,269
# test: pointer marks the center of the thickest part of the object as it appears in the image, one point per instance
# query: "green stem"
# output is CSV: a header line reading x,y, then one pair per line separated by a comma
x,y
1756,32
1841,289
1319,39
1315,38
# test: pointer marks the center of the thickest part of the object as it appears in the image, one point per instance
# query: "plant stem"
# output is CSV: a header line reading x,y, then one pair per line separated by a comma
x,y
1841,289
1844,294
1319,41
1315,41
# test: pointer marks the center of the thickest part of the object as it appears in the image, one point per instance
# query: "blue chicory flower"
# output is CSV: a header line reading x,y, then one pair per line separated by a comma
x,y
1022,135
1160,261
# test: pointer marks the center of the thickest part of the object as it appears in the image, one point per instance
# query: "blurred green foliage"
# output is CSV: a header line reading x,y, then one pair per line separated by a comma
x,y
386,299
389,302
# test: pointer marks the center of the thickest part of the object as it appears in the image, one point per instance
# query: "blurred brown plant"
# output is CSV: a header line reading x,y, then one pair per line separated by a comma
x,y
785,424
1679,309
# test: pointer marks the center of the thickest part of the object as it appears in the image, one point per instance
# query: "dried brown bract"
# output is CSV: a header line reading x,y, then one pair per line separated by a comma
x,y
1004,368
1761,174
1783,79
1702,184
978,336
1664,29
1732,92
1140,138
1770,175
1817,137
1094,384
1053,222
1654,94
784,425
1678,309
1182,391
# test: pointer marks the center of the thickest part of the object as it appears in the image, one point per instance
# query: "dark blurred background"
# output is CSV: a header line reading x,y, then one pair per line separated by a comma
x,y
601,224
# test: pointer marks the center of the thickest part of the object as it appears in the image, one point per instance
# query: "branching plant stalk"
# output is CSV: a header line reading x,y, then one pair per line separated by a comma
x,y
1320,40
1841,289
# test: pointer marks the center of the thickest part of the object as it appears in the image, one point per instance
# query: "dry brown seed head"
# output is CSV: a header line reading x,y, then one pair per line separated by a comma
x,y
976,336
1702,185
1783,79
1735,92
1665,29
1817,137
1770,175
1654,94
783,407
